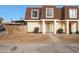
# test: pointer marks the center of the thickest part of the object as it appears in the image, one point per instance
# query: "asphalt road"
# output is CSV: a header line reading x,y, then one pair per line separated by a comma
x,y
39,48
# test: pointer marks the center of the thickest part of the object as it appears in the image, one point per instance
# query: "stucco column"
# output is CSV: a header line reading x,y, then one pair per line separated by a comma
x,y
43,27
78,25
67,27
54,27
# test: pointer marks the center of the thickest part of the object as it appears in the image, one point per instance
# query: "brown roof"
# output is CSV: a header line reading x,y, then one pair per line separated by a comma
x,y
59,13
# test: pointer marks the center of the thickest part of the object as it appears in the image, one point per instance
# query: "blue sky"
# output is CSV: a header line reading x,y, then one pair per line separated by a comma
x,y
14,12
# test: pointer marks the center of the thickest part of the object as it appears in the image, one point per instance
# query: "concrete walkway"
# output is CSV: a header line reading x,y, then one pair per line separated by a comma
x,y
55,47
58,45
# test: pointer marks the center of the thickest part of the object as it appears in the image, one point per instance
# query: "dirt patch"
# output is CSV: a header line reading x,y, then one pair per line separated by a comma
x,y
68,38
24,38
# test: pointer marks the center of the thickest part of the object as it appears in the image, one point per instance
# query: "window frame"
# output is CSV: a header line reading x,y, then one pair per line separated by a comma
x,y
51,12
73,13
32,13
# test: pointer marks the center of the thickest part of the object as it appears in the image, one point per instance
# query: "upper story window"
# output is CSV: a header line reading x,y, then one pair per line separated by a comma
x,y
49,12
72,13
34,13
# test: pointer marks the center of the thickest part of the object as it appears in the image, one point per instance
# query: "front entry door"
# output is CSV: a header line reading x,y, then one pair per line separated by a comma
x,y
47,27
73,27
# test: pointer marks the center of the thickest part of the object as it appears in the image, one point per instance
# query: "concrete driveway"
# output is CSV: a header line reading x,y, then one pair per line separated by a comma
x,y
55,47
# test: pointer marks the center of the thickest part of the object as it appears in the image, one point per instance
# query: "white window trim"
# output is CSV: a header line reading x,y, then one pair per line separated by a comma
x,y
75,16
52,13
37,13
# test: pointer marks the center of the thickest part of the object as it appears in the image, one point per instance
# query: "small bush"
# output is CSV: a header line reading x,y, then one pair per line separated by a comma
x,y
77,32
60,31
70,32
36,30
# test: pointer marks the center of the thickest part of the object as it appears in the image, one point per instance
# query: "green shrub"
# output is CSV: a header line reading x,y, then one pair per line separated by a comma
x,y
36,29
70,32
60,31
77,32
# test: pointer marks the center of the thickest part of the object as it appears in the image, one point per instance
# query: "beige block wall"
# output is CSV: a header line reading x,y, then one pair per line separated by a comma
x,y
10,29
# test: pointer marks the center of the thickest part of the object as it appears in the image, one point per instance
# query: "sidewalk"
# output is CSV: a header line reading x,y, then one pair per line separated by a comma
x,y
58,45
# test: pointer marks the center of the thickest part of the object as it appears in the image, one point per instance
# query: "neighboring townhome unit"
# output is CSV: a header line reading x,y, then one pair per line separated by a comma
x,y
71,15
49,19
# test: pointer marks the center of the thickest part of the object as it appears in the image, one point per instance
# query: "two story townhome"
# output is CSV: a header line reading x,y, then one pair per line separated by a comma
x,y
51,18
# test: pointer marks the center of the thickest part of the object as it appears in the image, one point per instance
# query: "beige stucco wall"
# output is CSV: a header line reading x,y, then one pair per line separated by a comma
x,y
63,26
52,27
60,25
32,25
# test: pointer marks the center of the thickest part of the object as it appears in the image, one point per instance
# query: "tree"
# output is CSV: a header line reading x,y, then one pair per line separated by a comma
x,y
1,19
